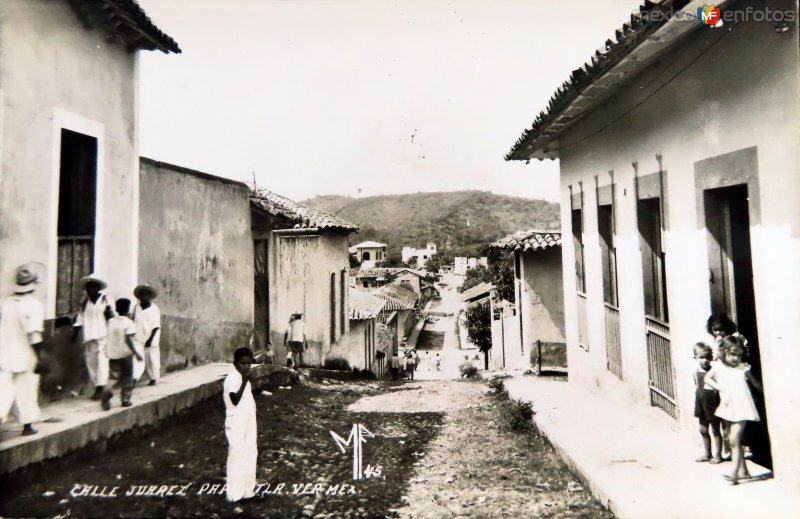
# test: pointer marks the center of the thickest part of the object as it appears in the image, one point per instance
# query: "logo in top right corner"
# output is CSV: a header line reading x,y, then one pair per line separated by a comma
x,y
709,15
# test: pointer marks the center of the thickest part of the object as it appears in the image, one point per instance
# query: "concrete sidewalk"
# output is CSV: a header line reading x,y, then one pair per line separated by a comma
x,y
68,425
636,461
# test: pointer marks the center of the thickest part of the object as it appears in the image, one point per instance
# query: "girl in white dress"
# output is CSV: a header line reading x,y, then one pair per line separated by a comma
x,y
737,407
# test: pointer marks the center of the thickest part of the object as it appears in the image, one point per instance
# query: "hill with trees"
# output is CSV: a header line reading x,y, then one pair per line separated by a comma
x,y
461,223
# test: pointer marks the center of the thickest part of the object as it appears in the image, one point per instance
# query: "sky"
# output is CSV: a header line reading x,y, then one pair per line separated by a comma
x,y
363,97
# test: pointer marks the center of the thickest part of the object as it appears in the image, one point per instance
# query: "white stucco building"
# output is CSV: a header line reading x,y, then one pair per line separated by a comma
x,y
679,147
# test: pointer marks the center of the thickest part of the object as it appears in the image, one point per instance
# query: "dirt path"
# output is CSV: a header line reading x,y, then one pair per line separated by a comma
x,y
473,468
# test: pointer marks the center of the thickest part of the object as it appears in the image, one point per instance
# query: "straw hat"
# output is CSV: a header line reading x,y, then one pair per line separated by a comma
x,y
93,278
25,280
144,287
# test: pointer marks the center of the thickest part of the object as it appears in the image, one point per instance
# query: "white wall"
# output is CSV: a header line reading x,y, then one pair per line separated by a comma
x,y
56,74
718,96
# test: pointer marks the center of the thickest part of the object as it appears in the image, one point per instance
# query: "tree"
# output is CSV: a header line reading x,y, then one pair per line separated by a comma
x,y
475,277
479,329
393,260
500,274
412,262
354,263
437,261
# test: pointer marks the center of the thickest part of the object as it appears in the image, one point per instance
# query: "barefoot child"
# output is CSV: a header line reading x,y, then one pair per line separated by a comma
x,y
121,350
736,406
240,428
720,326
706,401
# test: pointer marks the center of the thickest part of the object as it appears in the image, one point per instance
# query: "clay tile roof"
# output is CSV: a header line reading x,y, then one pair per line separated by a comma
x,y
529,240
305,217
635,45
379,272
476,291
397,296
362,305
126,20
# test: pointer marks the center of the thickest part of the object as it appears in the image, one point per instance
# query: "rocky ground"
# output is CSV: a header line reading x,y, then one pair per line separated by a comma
x,y
437,451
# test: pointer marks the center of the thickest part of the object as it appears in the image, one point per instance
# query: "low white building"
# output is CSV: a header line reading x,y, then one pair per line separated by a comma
x,y
422,255
462,264
369,252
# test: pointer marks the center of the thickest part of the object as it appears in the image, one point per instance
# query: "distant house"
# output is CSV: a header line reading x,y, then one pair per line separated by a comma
x,y
399,312
375,277
69,172
422,255
461,264
301,266
369,253
680,170
538,317
360,345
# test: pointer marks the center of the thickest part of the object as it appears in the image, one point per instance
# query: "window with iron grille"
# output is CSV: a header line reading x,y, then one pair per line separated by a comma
x,y
77,200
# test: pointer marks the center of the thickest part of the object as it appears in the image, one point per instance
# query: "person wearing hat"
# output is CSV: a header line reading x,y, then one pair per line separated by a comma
x,y
21,329
92,320
296,337
147,317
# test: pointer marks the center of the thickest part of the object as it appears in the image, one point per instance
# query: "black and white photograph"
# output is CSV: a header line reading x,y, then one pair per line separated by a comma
x,y
407,259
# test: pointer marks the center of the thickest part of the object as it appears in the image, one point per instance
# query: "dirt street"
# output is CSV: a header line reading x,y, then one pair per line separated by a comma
x,y
436,450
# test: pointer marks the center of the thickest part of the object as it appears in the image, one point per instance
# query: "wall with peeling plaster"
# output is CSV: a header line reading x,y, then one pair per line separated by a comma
x,y
196,248
300,268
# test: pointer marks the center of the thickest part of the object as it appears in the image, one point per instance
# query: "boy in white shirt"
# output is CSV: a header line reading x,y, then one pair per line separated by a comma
x,y
240,428
121,350
147,317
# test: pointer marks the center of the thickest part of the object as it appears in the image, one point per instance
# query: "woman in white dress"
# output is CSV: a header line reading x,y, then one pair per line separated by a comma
x,y
730,377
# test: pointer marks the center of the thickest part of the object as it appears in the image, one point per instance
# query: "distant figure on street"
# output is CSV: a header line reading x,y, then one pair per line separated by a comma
x,y
21,328
438,363
147,317
240,427
121,350
92,323
269,353
266,356
296,337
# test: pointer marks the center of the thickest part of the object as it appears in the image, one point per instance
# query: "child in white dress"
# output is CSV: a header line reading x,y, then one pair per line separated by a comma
x,y
730,377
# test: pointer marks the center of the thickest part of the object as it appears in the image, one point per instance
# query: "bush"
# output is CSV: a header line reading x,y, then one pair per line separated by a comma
x,y
516,416
468,371
497,387
337,364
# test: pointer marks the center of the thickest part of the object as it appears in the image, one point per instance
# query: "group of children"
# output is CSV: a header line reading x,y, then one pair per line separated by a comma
x,y
118,339
723,399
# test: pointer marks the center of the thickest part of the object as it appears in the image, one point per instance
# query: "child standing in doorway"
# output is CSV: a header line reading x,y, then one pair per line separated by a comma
x,y
240,428
706,401
737,407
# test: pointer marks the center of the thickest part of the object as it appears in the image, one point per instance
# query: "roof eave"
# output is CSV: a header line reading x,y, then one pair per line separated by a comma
x,y
638,45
